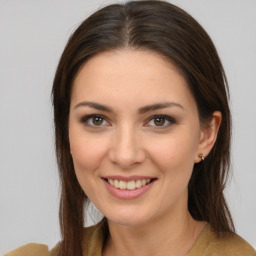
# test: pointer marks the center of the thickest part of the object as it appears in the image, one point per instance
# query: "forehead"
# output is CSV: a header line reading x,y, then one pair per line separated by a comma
x,y
132,77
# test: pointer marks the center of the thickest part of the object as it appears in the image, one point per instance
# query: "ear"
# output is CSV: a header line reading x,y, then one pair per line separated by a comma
x,y
208,136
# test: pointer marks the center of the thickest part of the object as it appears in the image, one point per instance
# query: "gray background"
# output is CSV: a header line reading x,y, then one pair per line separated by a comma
x,y
32,36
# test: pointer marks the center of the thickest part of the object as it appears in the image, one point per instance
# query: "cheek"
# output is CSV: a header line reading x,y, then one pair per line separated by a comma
x,y
174,158
87,152
174,152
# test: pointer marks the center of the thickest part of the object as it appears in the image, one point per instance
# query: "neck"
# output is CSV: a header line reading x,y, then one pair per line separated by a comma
x,y
171,236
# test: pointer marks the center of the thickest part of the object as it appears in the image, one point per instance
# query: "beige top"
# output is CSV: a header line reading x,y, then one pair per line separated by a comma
x,y
206,245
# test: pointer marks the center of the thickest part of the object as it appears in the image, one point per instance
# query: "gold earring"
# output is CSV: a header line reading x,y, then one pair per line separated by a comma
x,y
202,156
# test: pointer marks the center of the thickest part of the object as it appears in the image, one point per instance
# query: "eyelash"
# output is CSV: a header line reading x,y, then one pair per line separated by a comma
x,y
166,118
85,120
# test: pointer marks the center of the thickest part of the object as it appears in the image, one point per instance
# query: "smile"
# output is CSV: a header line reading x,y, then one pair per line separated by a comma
x,y
129,185
128,188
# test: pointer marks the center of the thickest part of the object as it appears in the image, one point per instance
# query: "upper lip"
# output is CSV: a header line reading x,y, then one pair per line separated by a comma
x,y
134,177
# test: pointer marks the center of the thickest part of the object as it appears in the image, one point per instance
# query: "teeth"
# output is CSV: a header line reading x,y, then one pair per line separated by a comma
x,y
130,185
138,184
116,183
122,184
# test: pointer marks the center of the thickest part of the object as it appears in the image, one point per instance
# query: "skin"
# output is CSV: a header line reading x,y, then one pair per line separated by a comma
x,y
127,142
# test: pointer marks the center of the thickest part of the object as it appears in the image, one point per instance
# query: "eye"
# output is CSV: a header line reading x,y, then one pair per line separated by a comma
x,y
161,121
95,121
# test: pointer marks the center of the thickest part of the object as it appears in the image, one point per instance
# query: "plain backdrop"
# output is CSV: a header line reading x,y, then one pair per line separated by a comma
x,y
33,34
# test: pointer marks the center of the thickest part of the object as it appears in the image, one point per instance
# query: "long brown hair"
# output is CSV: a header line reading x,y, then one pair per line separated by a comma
x,y
166,29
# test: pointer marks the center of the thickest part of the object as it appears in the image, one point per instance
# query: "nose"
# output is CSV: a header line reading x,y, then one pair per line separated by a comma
x,y
126,148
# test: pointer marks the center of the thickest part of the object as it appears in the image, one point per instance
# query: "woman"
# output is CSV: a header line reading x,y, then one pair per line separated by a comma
x,y
142,127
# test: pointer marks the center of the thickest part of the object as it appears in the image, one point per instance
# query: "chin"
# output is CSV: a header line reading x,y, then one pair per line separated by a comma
x,y
129,218
131,222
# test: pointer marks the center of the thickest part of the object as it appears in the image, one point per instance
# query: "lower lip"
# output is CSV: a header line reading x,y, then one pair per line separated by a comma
x,y
126,194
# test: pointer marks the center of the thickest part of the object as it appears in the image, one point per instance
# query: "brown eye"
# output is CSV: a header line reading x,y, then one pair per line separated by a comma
x,y
159,121
97,120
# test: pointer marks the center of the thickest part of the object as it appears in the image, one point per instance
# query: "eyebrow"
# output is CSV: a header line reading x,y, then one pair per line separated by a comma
x,y
141,110
94,105
156,106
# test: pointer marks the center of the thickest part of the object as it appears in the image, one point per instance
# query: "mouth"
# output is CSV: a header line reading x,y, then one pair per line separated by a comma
x,y
131,184
128,188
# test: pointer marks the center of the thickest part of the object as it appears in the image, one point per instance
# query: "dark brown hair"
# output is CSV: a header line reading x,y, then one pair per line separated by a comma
x,y
169,31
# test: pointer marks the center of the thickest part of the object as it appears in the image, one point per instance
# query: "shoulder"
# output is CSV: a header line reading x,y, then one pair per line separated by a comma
x,y
209,244
33,249
232,244
30,250
93,240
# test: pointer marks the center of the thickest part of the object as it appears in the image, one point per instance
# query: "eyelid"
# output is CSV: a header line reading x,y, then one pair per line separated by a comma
x,y
84,120
171,121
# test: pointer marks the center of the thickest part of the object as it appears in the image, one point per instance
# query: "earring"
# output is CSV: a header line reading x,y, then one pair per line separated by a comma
x,y
202,156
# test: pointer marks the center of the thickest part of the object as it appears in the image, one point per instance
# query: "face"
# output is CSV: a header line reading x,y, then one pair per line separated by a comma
x,y
134,135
